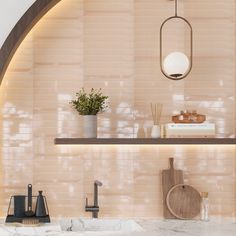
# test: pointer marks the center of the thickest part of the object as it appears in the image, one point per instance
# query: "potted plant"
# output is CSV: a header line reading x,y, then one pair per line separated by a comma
x,y
89,105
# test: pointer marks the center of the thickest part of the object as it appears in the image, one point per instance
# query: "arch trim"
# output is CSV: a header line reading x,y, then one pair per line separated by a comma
x,y
38,9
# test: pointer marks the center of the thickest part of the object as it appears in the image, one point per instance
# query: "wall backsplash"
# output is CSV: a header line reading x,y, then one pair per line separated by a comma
x,y
114,45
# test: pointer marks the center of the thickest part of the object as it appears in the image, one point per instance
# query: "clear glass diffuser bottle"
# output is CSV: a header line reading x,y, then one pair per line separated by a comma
x,y
205,207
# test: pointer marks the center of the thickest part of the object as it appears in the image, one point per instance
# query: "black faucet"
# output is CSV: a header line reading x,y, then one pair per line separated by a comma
x,y
95,208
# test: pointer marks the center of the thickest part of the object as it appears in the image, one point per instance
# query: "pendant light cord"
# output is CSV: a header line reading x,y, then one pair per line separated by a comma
x,y
176,7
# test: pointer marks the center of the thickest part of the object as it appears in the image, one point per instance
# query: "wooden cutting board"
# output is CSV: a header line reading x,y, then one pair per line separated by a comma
x,y
170,178
184,201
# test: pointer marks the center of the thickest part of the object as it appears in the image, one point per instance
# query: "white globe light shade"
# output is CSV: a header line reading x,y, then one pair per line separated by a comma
x,y
176,64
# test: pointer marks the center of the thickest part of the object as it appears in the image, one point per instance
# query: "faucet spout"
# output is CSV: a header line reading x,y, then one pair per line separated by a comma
x,y
96,184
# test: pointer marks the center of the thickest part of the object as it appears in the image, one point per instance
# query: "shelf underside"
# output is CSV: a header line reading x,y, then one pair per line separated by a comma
x,y
144,141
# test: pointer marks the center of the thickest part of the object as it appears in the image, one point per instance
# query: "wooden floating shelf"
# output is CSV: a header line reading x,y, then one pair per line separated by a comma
x,y
144,141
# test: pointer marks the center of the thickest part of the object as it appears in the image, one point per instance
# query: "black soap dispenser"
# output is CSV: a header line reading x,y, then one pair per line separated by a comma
x,y
40,209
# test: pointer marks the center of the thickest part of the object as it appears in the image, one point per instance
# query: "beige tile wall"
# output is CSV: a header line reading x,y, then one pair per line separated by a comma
x,y
114,44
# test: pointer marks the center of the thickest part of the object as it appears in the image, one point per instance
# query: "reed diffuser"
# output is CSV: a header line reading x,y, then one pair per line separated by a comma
x,y
156,110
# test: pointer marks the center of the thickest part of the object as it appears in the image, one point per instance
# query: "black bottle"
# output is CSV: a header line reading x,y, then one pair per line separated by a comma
x,y
40,209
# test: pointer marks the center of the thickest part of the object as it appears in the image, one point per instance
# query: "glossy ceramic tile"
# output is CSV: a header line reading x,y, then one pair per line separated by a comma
x,y
114,45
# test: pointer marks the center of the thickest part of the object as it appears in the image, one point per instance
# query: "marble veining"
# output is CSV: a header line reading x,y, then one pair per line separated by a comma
x,y
151,227
100,225
42,230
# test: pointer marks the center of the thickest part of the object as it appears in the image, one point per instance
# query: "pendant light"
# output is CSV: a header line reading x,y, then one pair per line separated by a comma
x,y
176,65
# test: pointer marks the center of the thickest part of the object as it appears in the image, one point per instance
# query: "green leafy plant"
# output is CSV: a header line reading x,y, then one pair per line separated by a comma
x,y
90,103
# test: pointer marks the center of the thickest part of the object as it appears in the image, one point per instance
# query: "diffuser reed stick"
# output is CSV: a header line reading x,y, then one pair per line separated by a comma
x,y
156,110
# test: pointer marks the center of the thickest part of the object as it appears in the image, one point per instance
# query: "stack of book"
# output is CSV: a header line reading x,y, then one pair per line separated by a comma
x,y
193,130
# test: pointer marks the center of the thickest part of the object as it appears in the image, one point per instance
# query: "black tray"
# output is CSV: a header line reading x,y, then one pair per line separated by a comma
x,y
13,219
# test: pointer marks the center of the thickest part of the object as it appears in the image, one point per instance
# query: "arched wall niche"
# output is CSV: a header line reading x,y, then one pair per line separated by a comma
x,y
110,44
38,9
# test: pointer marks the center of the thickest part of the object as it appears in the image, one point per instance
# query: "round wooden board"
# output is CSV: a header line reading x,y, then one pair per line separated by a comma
x,y
183,201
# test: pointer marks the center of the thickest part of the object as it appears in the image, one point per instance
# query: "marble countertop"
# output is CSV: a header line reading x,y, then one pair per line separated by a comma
x,y
152,227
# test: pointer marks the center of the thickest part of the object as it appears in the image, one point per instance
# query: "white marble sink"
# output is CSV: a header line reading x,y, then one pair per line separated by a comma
x,y
115,227
100,225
